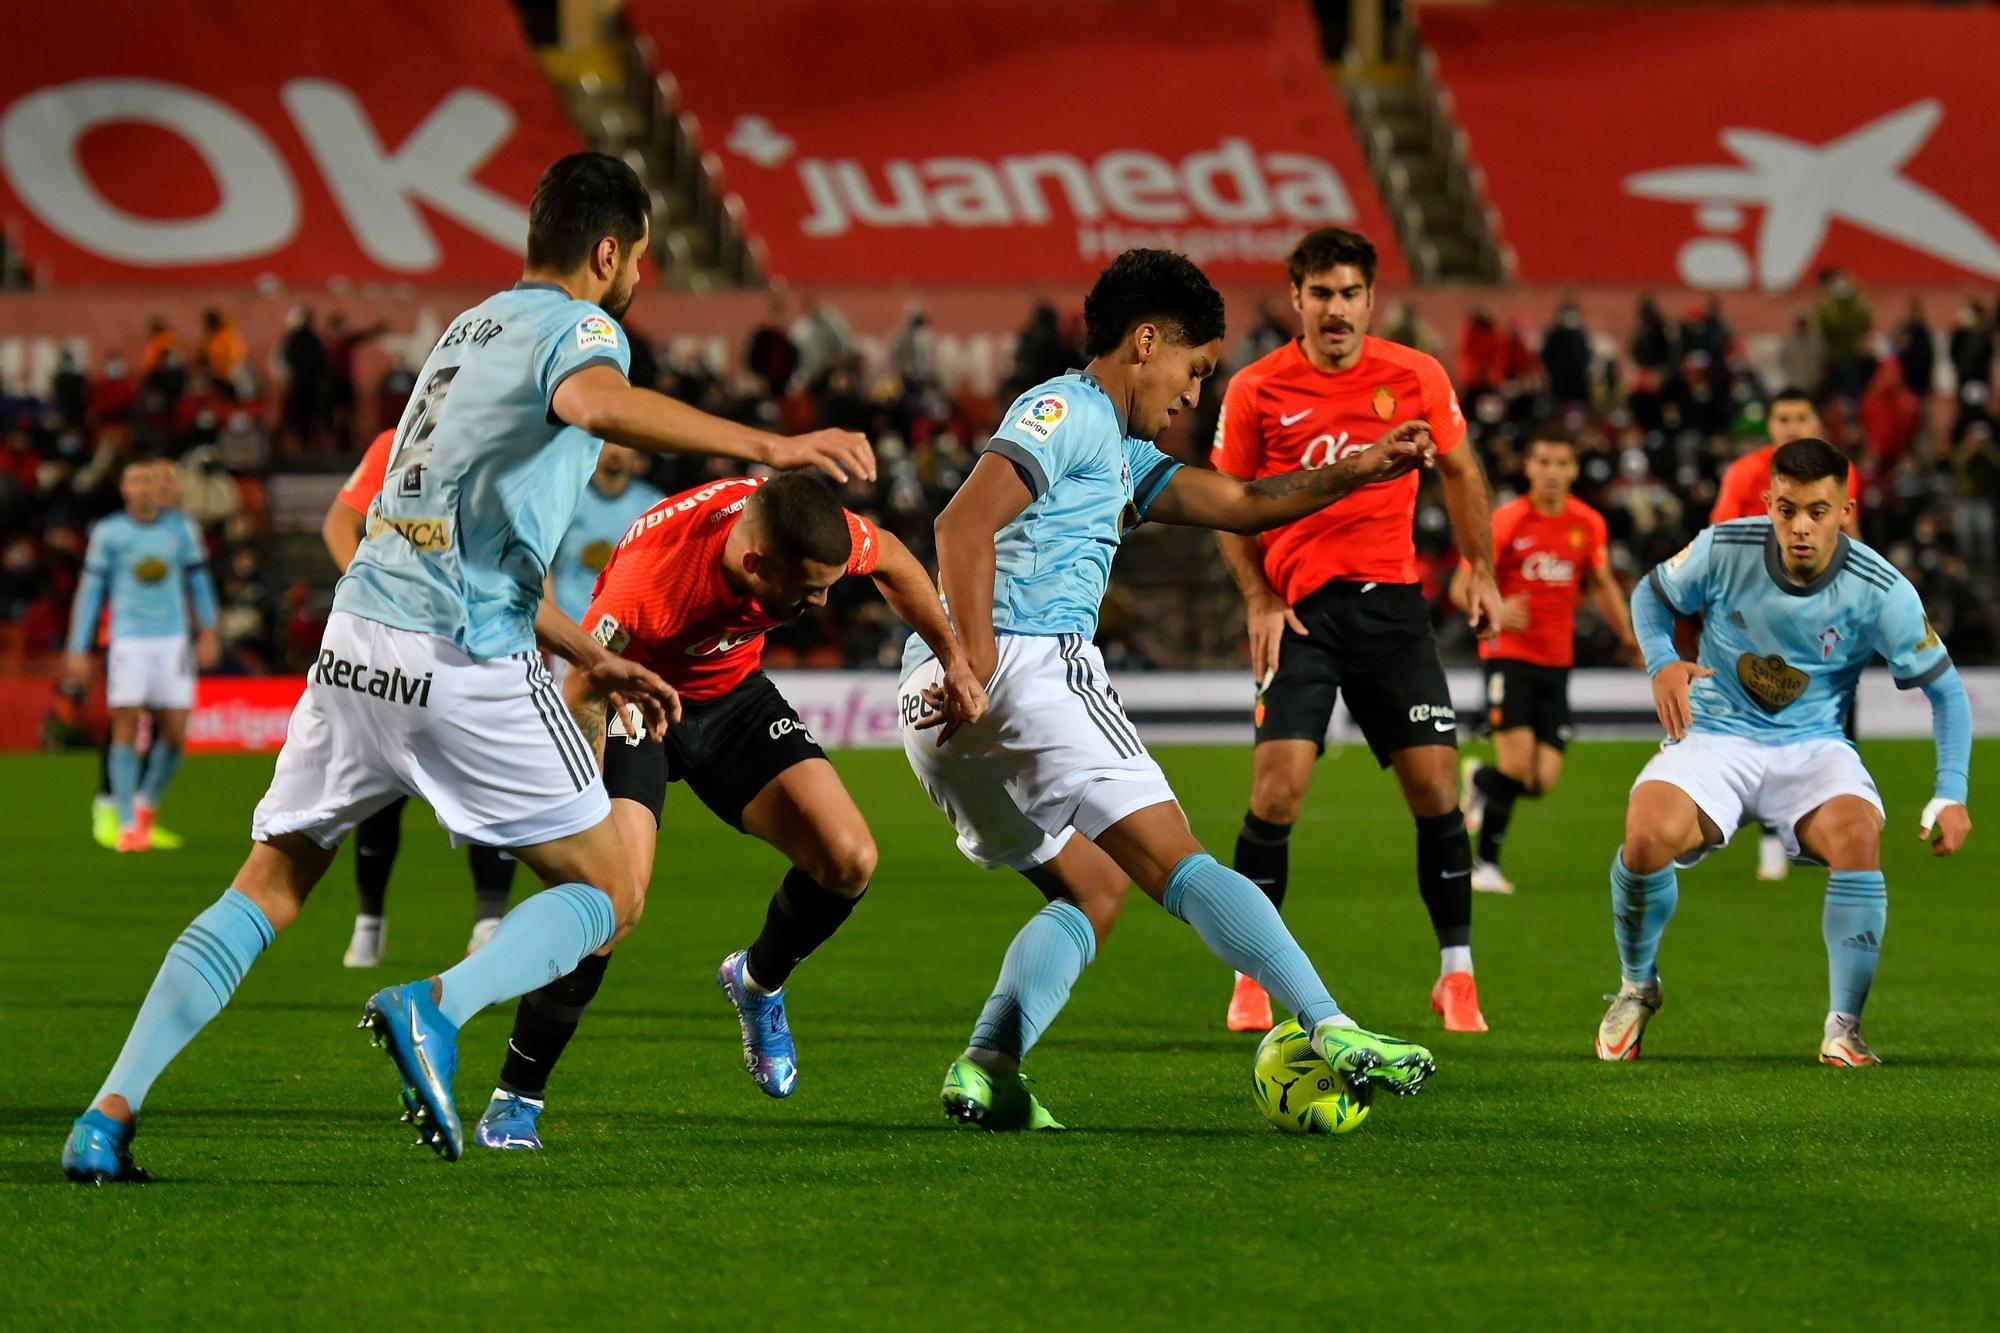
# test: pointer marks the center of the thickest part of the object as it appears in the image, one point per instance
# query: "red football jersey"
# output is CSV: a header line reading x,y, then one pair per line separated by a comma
x,y
663,600
1282,413
1744,484
1545,556
365,482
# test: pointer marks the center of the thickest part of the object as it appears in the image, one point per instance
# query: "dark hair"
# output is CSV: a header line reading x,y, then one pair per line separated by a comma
x,y
579,201
1809,460
803,519
1550,432
1791,396
1318,251
1156,285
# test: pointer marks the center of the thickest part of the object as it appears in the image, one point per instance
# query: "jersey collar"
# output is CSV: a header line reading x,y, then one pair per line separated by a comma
x,y
527,286
1116,410
1775,566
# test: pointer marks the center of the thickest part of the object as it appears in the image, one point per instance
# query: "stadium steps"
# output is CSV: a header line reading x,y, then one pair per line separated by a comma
x,y
623,103
1422,164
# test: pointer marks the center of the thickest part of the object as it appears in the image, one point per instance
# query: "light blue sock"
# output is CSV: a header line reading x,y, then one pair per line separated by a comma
x,y
1041,966
202,970
124,767
1857,912
1641,906
542,939
1239,925
162,762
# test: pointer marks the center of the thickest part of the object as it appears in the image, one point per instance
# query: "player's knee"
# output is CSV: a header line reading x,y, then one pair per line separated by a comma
x,y
1276,798
846,863
1101,901
1853,845
1427,800
1648,848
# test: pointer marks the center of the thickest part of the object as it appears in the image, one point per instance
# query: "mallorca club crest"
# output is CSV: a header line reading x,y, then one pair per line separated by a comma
x,y
1385,402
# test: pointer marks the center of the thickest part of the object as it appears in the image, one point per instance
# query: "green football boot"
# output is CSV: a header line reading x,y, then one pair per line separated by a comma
x,y
992,1101
1361,1057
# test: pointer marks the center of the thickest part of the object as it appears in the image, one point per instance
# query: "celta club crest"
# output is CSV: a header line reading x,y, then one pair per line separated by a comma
x,y
1828,637
1803,188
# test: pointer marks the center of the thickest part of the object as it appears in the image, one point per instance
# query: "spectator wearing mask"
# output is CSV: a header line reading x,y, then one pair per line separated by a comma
x,y
1916,351
1802,357
302,355
1566,356
1844,321
823,338
772,355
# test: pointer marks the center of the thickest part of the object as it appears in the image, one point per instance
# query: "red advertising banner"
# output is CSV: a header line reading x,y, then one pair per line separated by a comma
x,y
242,714
1732,148
889,140
367,140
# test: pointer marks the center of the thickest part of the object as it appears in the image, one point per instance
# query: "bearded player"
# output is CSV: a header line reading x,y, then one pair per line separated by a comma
x,y
1744,492
1794,610
1548,545
690,591
427,681
1334,605
1054,782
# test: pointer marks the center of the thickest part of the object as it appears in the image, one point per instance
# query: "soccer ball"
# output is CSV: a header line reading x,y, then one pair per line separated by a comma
x,y
1298,1091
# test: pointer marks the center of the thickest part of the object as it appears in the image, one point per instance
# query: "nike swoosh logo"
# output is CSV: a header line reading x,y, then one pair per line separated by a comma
x,y
1444,726
416,1029
1295,418
1455,874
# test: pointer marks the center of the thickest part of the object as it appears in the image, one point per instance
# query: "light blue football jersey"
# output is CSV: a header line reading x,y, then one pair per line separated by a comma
x,y
586,548
483,480
1091,482
146,570
1786,655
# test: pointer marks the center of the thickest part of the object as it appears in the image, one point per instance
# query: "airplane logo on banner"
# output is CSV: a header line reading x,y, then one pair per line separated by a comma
x,y
1803,188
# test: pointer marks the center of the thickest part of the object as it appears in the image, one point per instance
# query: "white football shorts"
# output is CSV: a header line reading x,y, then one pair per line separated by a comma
x,y
390,712
152,671
1731,779
1055,753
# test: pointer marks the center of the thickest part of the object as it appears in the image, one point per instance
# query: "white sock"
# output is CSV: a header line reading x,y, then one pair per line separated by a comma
x,y
1836,1020
362,921
1337,1021
535,1102
751,983
1457,958
992,1061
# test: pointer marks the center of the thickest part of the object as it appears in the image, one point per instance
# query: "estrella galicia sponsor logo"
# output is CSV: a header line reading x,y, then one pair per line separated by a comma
x,y
391,685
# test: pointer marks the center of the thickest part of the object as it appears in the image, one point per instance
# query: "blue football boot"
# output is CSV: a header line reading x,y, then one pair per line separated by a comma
x,y
768,1052
423,1045
509,1122
98,1152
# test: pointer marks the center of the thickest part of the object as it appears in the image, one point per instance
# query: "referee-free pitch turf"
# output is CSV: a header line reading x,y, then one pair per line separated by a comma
x,y
1726,1180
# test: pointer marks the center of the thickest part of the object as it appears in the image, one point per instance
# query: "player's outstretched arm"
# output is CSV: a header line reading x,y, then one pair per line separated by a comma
x,y
1653,620
601,401
341,531
82,625
986,503
1200,498
618,681
1951,731
961,697
1470,506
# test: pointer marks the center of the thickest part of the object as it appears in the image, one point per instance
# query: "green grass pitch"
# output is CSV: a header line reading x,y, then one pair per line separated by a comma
x,y
1725,1181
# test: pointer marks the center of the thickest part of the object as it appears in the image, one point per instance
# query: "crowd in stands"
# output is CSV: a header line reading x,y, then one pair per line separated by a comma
x,y
1659,407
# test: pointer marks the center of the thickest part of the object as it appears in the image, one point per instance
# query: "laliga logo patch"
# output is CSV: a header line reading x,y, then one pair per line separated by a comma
x,y
610,635
596,331
1043,416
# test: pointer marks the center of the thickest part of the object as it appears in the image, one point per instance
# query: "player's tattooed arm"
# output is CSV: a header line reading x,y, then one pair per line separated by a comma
x,y
586,708
961,696
623,683
1200,498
